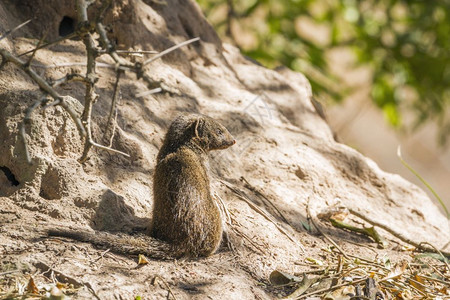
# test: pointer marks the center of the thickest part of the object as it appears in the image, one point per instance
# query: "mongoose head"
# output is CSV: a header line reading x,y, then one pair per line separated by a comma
x,y
204,131
211,135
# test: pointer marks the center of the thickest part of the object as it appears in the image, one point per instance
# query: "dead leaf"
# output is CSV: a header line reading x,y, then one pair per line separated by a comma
x,y
280,278
304,286
408,248
61,285
398,270
418,283
31,287
405,294
56,294
142,260
315,261
342,293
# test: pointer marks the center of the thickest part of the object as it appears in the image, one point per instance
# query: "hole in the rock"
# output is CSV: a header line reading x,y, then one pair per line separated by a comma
x,y
53,183
50,190
300,174
10,176
67,26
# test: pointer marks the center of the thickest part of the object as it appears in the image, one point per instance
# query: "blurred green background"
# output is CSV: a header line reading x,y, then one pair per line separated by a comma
x,y
404,45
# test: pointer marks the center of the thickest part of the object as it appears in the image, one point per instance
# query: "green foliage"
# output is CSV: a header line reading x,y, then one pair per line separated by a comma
x,y
406,44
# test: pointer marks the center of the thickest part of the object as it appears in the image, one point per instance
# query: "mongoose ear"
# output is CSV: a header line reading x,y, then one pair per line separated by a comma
x,y
196,127
197,122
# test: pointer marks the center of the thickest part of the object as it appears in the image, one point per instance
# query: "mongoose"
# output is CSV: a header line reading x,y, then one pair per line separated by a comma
x,y
184,212
186,220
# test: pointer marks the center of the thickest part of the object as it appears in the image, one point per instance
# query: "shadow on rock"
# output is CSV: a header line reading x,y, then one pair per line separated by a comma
x,y
114,215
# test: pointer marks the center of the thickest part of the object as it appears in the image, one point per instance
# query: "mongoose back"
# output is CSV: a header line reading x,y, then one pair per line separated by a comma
x,y
184,212
186,220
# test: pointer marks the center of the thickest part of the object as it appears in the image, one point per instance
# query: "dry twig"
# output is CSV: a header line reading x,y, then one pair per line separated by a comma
x,y
241,195
399,235
85,31
171,49
264,197
166,284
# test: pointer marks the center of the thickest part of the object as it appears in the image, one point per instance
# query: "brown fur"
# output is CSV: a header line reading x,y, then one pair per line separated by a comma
x,y
184,213
185,217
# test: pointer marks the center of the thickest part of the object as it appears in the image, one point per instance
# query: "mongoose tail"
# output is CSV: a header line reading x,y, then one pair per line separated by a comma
x,y
118,243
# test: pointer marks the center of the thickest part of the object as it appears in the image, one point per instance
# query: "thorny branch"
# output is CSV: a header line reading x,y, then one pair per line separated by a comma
x,y
87,31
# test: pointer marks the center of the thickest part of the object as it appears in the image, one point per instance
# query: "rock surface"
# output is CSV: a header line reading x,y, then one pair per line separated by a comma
x,y
285,151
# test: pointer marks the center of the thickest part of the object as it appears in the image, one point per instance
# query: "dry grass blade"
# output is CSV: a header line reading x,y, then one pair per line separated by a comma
x,y
167,51
9,272
444,259
404,280
399,155
230,222
94,144
325,290
7,33
72,35
150,92
264,197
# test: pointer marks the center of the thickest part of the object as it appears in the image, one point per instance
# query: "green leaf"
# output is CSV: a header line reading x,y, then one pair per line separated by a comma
x,y
391,114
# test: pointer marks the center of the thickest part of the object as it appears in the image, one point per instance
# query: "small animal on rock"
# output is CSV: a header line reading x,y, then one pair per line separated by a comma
x,y
186,220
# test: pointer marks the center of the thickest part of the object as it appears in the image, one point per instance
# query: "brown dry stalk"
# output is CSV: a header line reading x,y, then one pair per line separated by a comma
x,y
418,245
